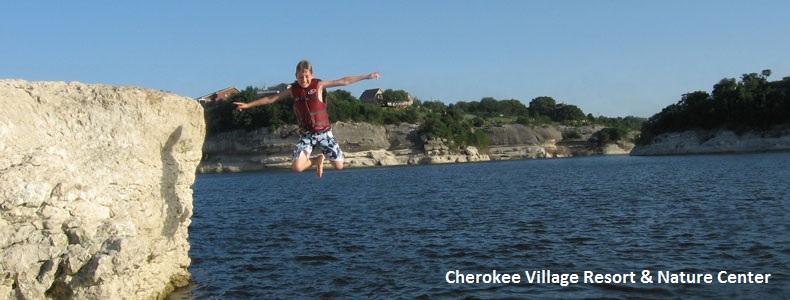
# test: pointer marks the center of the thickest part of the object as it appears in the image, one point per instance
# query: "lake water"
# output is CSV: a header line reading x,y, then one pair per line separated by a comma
x,y
402,232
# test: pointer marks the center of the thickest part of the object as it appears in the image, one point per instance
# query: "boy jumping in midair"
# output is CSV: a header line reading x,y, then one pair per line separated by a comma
x,y
310,108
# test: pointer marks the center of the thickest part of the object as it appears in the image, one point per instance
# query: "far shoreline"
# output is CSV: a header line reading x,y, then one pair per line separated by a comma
x,y
232,169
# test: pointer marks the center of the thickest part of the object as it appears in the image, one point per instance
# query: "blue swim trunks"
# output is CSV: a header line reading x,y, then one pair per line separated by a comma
x,y
326,140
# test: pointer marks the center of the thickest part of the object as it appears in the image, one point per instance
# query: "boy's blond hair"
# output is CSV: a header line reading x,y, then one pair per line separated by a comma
x,y
304,65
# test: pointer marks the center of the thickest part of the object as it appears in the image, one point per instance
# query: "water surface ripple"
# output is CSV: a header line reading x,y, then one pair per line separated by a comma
x,y
393,233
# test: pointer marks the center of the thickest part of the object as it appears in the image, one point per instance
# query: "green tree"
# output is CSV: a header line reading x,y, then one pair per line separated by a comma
x,y
435,107
629,122
272,115
372,113
512,107
219,118
433,126
542,106
488,107
609,135
753,103
395,96
400,115
566,112
725,95
343,106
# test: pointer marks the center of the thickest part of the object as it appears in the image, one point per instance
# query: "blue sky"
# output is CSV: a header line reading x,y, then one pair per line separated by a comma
x,y
608,57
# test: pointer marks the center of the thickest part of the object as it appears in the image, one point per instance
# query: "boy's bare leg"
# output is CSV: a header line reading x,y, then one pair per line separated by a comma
x,y
337,164
301,163
318,161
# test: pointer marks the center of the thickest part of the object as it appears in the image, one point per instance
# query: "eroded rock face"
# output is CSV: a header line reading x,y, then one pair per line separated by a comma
x,y
95,190
366,145
716,141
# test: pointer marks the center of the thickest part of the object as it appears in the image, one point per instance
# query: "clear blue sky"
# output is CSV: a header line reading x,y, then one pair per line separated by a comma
x,y
608,57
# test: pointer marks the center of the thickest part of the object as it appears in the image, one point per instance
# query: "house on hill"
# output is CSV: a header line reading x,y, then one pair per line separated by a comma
x,y
373,96
376,96
218,96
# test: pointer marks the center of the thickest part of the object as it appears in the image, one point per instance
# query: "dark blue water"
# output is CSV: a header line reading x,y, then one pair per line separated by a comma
x,y
394,233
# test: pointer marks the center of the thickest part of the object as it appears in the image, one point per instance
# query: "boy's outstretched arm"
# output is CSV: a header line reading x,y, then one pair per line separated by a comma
x,y
263,101
349,80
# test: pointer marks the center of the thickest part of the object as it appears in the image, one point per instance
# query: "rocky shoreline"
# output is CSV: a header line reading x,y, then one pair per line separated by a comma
x,y
716,141
368,145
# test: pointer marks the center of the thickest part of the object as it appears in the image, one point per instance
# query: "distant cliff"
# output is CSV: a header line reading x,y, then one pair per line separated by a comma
x,y
95,190
716,141
384,145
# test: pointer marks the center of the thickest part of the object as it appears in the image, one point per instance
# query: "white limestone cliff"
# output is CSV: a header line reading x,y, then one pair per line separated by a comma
x,y
95,190
716,141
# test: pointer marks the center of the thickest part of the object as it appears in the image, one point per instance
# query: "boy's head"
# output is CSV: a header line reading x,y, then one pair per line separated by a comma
x,y
304,73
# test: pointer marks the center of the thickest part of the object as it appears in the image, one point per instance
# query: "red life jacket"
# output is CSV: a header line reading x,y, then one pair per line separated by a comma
x,y
310,110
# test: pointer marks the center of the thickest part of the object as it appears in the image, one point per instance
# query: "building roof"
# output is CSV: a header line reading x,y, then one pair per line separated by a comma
x,y
231,90
371,93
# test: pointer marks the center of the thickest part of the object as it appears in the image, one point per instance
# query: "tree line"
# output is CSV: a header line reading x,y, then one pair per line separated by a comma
x,y
460,123
751,103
